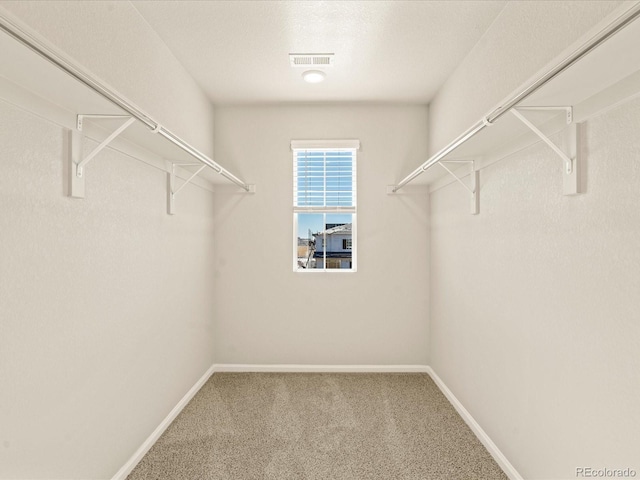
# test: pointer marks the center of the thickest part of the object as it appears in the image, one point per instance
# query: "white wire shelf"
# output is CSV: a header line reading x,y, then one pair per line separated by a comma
x,y
599,74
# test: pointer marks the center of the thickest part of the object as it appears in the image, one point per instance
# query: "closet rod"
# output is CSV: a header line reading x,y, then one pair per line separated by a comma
x,y
65,65
618,24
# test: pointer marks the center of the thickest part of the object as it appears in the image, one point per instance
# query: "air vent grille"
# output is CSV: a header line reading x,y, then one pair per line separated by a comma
x,y
311,59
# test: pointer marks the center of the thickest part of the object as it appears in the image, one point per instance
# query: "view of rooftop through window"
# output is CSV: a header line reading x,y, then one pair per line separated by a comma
x,y
324,209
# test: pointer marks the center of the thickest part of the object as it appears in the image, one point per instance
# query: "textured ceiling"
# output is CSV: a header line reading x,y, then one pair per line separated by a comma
x,y
385,51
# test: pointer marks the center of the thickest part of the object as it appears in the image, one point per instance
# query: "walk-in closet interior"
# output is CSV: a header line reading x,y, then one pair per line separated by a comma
x,y
421,263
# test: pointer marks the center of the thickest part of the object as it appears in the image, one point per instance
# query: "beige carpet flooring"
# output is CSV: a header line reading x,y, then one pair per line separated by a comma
x,y
318,426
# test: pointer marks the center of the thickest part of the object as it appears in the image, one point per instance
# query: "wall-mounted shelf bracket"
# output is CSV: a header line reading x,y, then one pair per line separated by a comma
x,y
570,151
173,189
78,162
473,189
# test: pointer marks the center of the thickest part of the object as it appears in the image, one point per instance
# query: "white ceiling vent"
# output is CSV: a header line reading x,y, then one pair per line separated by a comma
x,y
311,59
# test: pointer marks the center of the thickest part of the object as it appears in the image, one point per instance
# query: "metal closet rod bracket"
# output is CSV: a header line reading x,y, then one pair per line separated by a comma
x,y
569,152
78,161
172,191
172,182
474,189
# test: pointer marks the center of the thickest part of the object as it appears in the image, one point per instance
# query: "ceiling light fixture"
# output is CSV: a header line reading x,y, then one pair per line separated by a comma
x,y
313,76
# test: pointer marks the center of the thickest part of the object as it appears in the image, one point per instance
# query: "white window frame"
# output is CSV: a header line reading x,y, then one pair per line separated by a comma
x,y
327,145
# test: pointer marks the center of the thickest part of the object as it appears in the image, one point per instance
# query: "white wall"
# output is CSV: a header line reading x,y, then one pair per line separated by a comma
x,y
105,305
534,317
106,310
534,303
268,314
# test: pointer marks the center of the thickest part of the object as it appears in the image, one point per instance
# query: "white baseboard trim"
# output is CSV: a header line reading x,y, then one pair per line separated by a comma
x,y
128,467
230,367
491,447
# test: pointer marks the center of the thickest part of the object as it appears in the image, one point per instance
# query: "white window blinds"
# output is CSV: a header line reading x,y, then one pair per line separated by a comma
x,y
324,178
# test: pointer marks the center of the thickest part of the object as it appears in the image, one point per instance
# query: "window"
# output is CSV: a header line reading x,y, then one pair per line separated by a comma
x,y
324,205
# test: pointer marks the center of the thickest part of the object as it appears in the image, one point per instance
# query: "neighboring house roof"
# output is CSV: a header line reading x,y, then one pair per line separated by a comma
x,y
345,229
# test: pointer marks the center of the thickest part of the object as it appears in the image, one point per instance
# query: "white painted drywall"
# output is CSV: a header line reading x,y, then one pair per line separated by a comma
x,y
534,303
106,317
268,314
106,313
